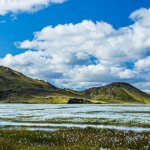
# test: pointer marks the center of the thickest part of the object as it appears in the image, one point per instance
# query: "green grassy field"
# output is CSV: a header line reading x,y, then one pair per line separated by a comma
x,y
74,139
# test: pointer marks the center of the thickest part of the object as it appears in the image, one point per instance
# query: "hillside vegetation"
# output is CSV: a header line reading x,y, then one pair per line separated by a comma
x,y
118,92
18,88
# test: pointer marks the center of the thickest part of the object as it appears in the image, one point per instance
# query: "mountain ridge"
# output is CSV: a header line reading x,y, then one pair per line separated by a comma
x,y
18,88
118,91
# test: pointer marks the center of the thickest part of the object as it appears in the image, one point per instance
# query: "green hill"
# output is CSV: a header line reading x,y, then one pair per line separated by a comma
x,y
18,88
13,80
118,92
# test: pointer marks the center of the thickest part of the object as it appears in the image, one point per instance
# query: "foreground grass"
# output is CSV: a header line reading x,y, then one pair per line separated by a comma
x,y
75,139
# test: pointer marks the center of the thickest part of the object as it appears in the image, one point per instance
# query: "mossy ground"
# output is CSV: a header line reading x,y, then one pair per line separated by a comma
x,y
74,139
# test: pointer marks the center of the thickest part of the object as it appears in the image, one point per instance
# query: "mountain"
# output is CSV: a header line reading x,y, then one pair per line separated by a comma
x,y
13,80
18,88
118,92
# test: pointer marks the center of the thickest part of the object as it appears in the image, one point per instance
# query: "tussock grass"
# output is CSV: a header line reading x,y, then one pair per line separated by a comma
x,y
74,139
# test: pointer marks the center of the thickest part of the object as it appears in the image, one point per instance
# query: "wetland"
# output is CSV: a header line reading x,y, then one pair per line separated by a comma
x,y
80,126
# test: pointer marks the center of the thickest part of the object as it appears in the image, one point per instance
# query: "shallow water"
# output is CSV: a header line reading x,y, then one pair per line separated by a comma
x,y
76,113
35,125
29,128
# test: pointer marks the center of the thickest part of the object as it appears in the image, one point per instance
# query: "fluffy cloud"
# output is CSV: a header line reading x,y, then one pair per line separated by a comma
x,y
143,64
100,40
86,54
34,64
95,75
127,74
141,16
16,6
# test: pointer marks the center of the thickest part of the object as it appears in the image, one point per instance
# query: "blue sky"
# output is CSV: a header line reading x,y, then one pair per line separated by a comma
x,y
76,43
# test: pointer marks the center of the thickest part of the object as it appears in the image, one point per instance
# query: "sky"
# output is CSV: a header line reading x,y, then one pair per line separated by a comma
x,y
77,44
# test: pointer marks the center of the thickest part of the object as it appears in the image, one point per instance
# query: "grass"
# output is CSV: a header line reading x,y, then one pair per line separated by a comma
x,y
74,139
79,120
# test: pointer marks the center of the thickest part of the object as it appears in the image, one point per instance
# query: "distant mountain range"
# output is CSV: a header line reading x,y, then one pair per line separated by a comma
x,y
18,88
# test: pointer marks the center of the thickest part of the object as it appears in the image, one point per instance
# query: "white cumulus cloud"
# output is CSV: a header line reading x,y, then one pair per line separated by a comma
x,y
126,74
143,64
87,53
17,6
